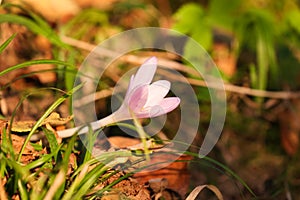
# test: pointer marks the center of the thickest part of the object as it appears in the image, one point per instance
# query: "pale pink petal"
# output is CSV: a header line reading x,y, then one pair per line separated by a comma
x,y
157,91
145,73
165,106
143,114
138,98
152,111
129,89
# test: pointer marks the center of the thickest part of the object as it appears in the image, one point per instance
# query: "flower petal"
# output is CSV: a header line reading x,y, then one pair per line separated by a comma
x,y
129,89
165,106
157,91
138,98
145,73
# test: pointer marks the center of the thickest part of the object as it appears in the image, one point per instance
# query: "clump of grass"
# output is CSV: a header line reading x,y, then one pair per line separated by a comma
x,y
54,175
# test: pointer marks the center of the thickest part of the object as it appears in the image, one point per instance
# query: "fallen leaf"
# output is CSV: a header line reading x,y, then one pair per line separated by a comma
x,y
54,120
176,173
193,195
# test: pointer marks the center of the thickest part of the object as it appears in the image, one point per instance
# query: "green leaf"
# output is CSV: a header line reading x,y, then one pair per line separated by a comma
x,y
257,30
293,18
191,20
223,13
187,17
203,35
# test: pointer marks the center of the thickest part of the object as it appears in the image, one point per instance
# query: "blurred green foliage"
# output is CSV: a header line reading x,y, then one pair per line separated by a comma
x,y
267,29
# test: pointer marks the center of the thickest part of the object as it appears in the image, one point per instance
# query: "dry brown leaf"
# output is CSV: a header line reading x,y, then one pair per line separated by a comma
x,y
29,153
193,195
176,173
123,142
126,189
53,120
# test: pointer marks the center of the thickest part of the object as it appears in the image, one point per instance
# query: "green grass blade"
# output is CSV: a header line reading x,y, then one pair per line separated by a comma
x,y
2,165
38,190
44,159
226,169
23,190
90,180
34,62
34,27
68,151
89,144
45,115
52,142
75,183
84,181
57,183
17,168
65,165
32,73
6,144
70,77
57,186
106,188
7,42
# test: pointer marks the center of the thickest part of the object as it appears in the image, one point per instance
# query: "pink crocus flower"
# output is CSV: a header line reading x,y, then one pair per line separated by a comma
x,y
142,100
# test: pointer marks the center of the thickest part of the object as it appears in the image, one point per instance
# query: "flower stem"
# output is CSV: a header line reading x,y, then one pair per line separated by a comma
x,y
84,129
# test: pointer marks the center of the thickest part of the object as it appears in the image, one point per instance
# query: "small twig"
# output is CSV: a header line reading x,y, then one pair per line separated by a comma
x,y
250,91
183,68
237,89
